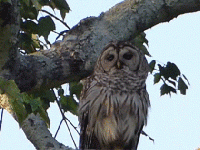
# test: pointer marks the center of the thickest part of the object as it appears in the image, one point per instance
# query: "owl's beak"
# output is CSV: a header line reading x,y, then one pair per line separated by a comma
x,y
119,65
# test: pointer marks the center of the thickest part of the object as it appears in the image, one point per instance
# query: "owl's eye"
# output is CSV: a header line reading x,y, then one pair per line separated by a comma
x,y
110,57
127,56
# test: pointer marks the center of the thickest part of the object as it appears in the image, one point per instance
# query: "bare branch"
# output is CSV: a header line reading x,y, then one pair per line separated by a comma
x,y
58,128
75,128
1,119
63,116
55,18
71,134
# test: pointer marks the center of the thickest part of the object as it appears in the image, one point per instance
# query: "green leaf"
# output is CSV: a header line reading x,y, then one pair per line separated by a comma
x,y
35,41
172,82
63,13
143,34
44,2
163,89
36,4
161,69
173,70
152,65
182,86
45,25
75,88
19,109
22,103
46,96
157,77
15,98
52,5
166,89
144,50
60,5
60,92
29,26
35,104
27,2
139,41
28,12
172,89
69,104
186,79
26,42
44,116
170,70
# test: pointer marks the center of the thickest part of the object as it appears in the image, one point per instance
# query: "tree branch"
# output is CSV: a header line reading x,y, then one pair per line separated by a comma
x,y
37,132
55,18
35,129
75,56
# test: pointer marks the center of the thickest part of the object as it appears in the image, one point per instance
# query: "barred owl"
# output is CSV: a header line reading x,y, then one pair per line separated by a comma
x,y
114,102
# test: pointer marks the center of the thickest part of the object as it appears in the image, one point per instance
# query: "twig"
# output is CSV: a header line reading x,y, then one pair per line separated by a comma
x,y
66,123
63,115
55,18
55,32
71,134
1,118
75,128
145,134
58,128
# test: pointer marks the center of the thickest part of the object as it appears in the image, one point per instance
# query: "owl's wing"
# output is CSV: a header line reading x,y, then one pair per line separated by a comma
x,y
87,138
137,137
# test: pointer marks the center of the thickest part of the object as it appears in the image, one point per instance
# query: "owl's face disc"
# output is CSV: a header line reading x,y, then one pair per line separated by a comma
x,y
124,58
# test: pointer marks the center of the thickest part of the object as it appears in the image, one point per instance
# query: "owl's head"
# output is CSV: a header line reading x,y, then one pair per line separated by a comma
x,y
122,56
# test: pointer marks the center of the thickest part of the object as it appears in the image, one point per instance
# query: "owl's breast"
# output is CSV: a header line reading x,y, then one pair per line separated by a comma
x,y
118,115
121,82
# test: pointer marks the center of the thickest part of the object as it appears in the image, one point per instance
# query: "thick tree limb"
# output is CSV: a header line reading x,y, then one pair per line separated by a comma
x,y
37,132
35,129
75,56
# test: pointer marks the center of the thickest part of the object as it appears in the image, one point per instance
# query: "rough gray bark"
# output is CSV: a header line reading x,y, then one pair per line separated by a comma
x,y
37,132
34,127
75,56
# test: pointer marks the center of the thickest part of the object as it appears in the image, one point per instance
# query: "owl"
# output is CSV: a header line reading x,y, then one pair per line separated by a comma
x,y
114,102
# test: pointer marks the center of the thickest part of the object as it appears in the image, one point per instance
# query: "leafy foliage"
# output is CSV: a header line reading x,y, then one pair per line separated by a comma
x,y
169,73
171,77
45,25
33,27
182,86
46,97
68,102
152,65
139,41
60,5
22,103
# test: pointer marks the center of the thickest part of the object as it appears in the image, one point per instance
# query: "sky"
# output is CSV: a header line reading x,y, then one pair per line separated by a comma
x,y
173,122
